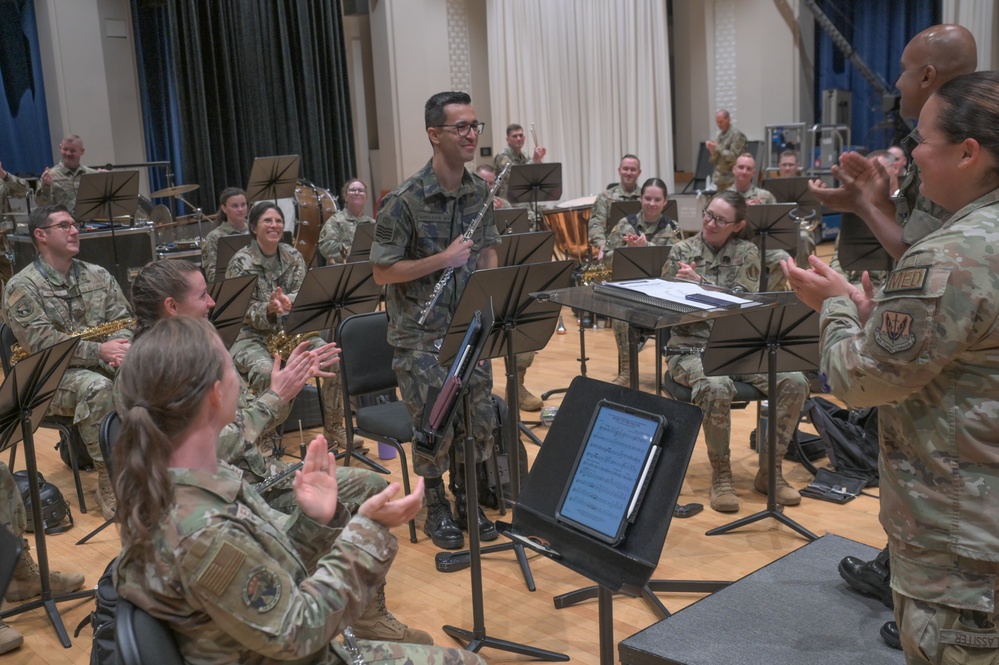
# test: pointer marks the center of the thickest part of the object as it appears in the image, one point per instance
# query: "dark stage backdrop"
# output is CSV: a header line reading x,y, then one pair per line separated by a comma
x,y
252,78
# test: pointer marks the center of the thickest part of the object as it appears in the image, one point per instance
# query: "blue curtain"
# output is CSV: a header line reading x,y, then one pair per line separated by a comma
x,y
157,90
25,145
879,31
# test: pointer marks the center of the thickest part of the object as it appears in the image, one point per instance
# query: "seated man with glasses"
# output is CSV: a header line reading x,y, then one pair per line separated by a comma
x,y
58,297
721,256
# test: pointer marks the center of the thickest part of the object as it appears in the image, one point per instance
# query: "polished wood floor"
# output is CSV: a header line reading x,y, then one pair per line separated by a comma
x,y
420,596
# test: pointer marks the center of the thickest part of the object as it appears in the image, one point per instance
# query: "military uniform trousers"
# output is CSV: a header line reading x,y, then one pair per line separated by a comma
x,y
12,513
86,396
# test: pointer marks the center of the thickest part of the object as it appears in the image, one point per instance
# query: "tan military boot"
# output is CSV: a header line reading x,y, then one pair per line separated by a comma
x,y
722,492
528,400
338,434
786,495
623,377
105,491
377,623
10,639
27,582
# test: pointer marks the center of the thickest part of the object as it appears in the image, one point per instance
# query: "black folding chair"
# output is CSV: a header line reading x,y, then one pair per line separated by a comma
x,y
142,639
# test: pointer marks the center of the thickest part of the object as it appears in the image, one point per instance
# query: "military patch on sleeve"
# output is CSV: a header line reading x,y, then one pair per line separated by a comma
x,y
261,589
907,279
895,334
218,574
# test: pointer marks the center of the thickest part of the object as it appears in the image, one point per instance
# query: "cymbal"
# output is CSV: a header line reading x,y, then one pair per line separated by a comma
x,y
174,191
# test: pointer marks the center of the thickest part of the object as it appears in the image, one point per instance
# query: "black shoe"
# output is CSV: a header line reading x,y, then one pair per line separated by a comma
x,y
891,636
487,530
440,524
869,577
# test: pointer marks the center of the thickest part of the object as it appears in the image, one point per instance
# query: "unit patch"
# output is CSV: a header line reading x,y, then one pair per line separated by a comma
x,y
895,334
907,279
262,589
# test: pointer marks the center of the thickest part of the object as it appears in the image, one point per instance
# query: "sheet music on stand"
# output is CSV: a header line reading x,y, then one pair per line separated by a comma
x,y
677,296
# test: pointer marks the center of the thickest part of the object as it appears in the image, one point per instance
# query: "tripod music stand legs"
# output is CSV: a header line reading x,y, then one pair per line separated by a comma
x,y
477,638
772,510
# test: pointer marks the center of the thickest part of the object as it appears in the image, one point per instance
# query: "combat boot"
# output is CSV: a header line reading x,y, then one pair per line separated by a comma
x,y
440,524
337,435
105,491
10,639
623,377
722,492
869,577
528,400
487,530
27,581
786,495
377,623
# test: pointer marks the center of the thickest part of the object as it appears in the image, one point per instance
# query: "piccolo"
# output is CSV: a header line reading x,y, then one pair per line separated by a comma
x,y
442,282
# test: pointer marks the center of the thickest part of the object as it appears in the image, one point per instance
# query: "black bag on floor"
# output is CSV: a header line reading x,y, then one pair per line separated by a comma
x,y
103,650
486,471
850,437
83,458
55,510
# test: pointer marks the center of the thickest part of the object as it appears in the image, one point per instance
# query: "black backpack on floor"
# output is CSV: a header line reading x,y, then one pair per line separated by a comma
x,y
850,437
102,619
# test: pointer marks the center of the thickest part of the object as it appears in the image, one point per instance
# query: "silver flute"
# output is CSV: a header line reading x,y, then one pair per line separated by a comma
x,y
442,282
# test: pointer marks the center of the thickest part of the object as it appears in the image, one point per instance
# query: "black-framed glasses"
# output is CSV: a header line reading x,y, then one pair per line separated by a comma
x,y
720,222
62,226
464,127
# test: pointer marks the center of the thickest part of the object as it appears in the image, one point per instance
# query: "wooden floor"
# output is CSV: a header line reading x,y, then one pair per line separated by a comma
x,y
420,596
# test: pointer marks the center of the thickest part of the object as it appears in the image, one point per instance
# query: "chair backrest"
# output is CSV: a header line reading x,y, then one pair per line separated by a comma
x,y
7,340
143,639
106,437
366,355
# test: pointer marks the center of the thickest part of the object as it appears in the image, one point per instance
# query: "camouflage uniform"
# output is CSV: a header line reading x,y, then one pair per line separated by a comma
x,y
240,583
12,512
505,157
776,281
927,356
337,236
44,307
210,248
728,146
735,266
597,224
65,185
10,186
415,221
663,231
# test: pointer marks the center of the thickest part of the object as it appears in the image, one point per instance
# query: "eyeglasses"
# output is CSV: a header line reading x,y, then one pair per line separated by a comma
x,y
720,222
62,226
463,127
357,190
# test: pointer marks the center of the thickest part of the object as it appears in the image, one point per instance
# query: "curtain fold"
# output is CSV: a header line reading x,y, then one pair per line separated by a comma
x,y
593,77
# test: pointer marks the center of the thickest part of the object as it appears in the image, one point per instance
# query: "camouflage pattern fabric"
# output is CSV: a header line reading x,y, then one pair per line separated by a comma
x,y
337,236
241,583
926,356
43,307
12,512
210,248
728,146
597,224
65,185
735,266
758,196
505,157
12,186
916,214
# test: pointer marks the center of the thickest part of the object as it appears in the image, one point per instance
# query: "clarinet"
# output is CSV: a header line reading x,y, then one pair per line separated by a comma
x,y
442,282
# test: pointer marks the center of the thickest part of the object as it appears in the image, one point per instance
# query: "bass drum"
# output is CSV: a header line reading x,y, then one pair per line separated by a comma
x,y
313,206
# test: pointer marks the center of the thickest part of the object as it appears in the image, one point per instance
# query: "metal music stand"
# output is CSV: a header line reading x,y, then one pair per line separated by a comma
x,y
232,298
105,196
273,178
859,248
619,210
530,183
512,220
360,247
522,323
772,227
477,298
782,339
24,397
808,214
227,248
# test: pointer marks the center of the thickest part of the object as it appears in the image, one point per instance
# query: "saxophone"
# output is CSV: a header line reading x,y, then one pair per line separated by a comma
x,y
283,344
94,333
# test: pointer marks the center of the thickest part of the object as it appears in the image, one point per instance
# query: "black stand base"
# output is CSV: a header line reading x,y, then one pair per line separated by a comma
x,y
526,431
474,641
649,592
353,454
449,562
48,601
773,512
96,531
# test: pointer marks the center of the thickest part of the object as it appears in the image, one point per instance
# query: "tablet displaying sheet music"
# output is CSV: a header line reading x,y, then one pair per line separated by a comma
x,y
612,471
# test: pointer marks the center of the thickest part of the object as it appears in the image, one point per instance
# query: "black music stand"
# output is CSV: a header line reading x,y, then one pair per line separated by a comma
x,y
107,195
227,248
454,341
772,227
329,295
784,339
522,323
512,220
619,210
24,397
360,246
627,567
796,190
530,183
859,248
273,178
232,298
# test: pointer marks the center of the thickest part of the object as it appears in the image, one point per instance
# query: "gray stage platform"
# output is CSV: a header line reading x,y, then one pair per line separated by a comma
x,y
795,610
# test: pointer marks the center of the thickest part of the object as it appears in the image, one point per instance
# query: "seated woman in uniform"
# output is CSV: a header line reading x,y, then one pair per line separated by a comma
x,y
338,232
651,226
236,581
719,255
232,215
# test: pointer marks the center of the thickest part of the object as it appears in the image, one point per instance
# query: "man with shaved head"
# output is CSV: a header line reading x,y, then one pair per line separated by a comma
x,y
59,184
725,149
